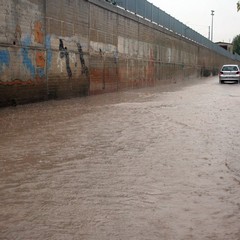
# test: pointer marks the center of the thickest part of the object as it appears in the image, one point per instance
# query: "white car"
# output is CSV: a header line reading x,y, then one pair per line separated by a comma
x,y
229,73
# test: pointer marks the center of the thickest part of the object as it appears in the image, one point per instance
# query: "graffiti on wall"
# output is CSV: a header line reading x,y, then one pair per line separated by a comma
x,y
40,59
84,67
40,56
37,67
38,32
40,63
31,61
65,54
4,59
48,50
27,61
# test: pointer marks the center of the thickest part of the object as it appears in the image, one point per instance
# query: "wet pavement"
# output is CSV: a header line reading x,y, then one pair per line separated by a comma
x,y
153,163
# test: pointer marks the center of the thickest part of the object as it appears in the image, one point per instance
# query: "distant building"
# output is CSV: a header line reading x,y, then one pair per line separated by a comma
x,y
226,46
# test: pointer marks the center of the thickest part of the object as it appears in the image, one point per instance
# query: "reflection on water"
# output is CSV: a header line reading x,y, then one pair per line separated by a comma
x,y
155,163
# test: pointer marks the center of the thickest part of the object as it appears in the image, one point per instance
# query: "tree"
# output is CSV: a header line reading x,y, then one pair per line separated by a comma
x,y
236,44
238,5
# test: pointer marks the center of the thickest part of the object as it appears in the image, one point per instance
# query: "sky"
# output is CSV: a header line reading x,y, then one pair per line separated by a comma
x,y
197,15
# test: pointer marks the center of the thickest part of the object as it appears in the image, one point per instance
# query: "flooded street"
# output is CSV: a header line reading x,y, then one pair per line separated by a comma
x,y
147,164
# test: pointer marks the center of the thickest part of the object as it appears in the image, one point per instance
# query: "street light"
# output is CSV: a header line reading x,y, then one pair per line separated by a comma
x,y
212,24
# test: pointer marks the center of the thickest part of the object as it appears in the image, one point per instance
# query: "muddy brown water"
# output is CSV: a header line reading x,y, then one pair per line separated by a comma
x,y
153,163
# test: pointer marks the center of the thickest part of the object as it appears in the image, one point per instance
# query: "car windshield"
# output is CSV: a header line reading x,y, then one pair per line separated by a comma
x,y
229,68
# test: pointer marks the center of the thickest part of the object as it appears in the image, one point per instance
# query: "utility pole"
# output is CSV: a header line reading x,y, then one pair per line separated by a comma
x,y
212,24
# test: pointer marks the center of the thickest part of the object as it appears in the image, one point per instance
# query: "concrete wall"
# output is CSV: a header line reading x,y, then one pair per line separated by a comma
x,y
69,48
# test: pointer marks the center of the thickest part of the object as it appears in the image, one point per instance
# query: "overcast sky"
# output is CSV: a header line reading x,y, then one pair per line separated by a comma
x,y
197,15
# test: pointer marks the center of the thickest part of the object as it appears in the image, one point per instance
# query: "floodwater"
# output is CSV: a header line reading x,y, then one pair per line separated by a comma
x,y
147,164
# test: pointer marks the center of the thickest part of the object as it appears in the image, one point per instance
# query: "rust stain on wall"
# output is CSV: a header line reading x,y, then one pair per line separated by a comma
x,y
37,81
40,59
38,33
151,69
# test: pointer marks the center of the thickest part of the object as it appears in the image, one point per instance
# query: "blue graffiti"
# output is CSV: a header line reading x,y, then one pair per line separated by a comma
x,y
49,52
25,54
4,59
41,72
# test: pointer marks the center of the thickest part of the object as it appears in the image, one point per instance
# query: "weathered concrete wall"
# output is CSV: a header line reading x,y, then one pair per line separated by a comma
x,y
43,50
22,51
66,48
67,27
